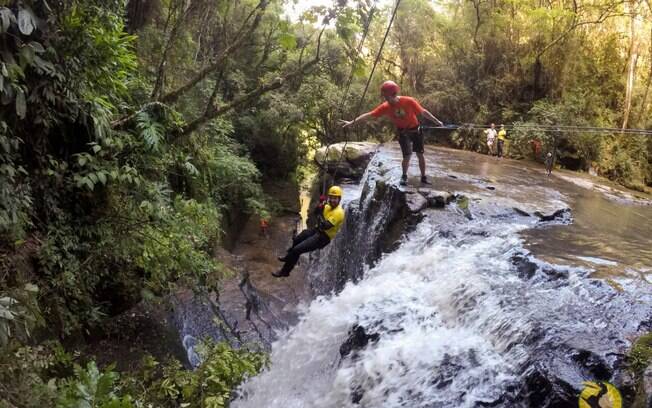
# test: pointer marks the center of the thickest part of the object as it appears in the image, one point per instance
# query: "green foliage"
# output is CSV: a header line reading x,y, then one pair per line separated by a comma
x,y
48,376
91,388
151,131
120,210
170,251
99,33
19,313
28,375
15,200
229,177
208,386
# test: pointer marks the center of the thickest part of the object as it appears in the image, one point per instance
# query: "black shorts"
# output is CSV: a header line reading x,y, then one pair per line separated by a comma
x,y
411,140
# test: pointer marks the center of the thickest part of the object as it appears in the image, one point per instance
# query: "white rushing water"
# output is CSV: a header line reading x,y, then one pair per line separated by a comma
x,y
445,338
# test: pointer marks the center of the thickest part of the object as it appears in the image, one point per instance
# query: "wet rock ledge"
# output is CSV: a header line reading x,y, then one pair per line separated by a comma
x,y
374,225
559,358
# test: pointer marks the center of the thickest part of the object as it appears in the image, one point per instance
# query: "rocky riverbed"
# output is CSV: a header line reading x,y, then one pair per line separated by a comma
x,y
446,296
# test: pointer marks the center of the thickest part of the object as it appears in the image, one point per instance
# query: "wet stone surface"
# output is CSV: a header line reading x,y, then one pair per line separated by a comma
x,y
465,312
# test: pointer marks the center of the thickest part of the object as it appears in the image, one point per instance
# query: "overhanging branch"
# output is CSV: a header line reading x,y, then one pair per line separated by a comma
x,y
243,34
214,111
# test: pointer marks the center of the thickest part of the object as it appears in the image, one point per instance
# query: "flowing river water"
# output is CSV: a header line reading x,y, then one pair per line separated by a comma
x,y
467,312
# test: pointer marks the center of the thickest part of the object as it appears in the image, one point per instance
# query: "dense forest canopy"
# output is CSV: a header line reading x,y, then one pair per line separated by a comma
x,y
133,134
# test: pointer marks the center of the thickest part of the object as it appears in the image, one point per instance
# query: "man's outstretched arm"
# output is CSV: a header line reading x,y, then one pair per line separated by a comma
x,y
431,117
360,118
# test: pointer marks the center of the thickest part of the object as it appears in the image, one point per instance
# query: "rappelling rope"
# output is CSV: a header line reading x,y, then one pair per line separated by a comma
x,y
547,128
346,92
344,96
366,88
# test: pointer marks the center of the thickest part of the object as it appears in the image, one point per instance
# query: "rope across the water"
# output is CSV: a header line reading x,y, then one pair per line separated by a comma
x,y
547,128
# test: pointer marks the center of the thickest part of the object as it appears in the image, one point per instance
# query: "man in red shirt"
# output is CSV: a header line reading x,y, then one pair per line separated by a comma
x,y
403,111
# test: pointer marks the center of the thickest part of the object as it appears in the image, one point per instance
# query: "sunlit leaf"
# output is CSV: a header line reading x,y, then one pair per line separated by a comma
x,y
21,103
37,47
26,21
5,19
287,41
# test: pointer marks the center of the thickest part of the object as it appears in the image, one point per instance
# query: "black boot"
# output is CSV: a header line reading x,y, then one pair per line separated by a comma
x,y
424,180
403,180
280,274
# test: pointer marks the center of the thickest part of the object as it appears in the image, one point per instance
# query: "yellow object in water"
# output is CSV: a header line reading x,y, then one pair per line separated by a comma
x,y
600,394
463,202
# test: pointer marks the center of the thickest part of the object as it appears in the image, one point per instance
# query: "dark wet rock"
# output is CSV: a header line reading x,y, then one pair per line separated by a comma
x,y
525,267
357,340
491,188
554,274
563,215
437,199
446,234
147,328
375,224
544,389
415,202
445,374
593,364
626,384
521,212
356,395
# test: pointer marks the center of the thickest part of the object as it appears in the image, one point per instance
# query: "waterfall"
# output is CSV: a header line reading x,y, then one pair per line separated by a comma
x,y
459,314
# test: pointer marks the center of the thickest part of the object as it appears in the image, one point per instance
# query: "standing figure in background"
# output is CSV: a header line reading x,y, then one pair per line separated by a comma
x,y
502,135
403,111
264,225
330,217
549,162
536,148
491,138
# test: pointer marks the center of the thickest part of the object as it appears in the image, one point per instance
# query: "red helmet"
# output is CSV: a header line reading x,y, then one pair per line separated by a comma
x,y
389,88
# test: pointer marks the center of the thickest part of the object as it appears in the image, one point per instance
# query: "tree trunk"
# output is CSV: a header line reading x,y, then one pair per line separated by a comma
x,y
179,19
643,108
139,12
631,71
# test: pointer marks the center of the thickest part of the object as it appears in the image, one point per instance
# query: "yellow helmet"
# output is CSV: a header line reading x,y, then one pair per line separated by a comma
x,y
335,191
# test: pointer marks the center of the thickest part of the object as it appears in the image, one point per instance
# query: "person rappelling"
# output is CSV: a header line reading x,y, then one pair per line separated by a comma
x,y
330,217
403,111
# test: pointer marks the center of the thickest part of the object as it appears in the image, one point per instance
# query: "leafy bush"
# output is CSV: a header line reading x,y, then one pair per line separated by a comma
x,y
48,376
208,386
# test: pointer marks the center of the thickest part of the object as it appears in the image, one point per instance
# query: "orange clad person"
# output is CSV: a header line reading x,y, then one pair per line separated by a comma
x,y
403,111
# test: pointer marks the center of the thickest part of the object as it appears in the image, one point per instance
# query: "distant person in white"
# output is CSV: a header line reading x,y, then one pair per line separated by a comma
x,y
491,138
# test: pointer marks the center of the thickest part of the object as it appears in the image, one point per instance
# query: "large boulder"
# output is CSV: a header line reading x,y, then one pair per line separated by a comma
x,y
347,159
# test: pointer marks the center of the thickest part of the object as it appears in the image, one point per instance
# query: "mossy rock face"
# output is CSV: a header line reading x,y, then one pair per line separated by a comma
x,y
640,363
640,355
